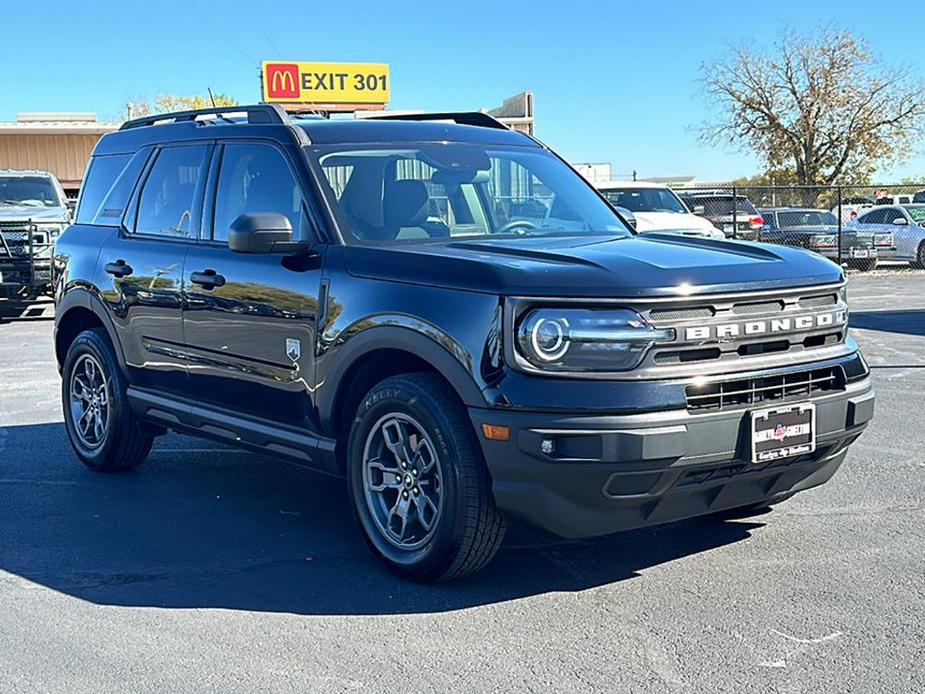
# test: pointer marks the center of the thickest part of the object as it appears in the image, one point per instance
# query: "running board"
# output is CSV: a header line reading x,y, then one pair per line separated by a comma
x,y
316,452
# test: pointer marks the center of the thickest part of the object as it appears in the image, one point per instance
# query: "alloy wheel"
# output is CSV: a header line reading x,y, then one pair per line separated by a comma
x,y
89,400
402,481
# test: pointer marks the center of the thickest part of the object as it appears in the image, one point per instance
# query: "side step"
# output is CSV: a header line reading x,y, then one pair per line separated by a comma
x,y
316,452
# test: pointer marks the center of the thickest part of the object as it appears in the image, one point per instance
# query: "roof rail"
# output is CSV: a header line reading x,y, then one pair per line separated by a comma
x,y
259,113
477,118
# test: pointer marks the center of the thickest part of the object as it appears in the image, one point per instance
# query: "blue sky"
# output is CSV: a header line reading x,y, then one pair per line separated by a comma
x,y
613,81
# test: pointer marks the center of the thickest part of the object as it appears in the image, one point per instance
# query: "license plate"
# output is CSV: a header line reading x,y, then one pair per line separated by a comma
x,y
783,432
860,253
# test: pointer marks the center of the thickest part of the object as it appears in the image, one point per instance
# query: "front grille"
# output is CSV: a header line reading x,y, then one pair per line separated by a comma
x,y
747,392
771,312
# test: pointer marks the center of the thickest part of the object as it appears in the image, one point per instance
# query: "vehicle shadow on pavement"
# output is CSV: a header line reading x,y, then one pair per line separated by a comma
x,y
204,526
17,311
908,322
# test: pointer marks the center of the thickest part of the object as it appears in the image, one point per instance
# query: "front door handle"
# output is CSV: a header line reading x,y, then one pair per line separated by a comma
x,y
207,279
119,268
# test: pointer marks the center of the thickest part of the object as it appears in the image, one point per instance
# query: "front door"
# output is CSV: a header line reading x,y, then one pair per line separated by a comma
x,y
249,320
143,266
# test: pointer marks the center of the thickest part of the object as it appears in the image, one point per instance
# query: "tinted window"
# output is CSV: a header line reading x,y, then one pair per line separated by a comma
x,y
110,211
890,214
872,217
101,174
721,205
917,214
254,178
168,205
806,218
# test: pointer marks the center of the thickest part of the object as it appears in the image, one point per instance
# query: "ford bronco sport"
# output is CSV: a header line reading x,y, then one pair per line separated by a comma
x,y
442,310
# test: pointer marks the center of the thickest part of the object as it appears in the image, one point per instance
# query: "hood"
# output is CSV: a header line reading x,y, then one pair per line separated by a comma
x,y
666,221
649,265
22,213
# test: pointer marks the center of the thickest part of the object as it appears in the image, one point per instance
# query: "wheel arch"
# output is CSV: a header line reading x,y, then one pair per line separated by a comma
x,y
77,311
379,353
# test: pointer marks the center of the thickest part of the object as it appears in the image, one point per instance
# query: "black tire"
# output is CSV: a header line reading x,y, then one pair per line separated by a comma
x,y
125,441
920,257
468,530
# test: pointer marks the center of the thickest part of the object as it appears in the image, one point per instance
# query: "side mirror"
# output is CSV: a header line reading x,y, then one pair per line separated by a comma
x,y
263,232
699,209
901,221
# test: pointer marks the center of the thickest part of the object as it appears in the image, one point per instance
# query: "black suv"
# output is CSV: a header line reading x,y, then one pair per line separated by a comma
x,y
442,310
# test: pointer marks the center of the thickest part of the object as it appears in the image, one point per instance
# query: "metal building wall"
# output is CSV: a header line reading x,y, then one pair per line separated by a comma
x,y
65,156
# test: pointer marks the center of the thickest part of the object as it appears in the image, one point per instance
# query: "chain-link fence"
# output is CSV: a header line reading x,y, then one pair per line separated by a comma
x,y
858,226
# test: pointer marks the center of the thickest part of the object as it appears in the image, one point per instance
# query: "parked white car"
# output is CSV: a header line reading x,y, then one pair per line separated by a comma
x,y
657,208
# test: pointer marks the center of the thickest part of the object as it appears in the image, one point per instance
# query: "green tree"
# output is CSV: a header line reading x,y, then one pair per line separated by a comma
x,y
820,105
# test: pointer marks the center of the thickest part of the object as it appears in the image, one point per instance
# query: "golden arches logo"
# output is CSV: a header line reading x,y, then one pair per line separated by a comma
x,y
282,80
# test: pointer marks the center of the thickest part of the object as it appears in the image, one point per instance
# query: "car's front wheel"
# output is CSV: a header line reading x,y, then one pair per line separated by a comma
x,y
418,484
104,432
920,257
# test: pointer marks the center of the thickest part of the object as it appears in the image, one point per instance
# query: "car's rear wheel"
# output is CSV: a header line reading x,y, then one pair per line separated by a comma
x,y
103,431
419,487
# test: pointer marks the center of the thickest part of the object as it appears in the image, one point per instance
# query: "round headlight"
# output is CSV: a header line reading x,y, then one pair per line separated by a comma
x,y
570,339
549,337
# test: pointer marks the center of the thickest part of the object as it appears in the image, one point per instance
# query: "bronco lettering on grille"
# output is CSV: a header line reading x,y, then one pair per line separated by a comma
x,y
750,328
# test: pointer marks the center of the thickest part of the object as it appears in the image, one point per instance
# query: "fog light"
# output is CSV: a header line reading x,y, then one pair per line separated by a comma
x,y
548,446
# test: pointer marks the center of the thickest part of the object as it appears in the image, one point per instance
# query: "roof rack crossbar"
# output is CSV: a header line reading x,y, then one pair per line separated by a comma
x,y
259,113
478,118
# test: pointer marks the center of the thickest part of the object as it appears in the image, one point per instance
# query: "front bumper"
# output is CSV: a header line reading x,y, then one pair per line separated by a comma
x,y
612,473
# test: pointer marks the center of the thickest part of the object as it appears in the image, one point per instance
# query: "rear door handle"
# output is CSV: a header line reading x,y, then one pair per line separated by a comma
x,y
119,268
207,279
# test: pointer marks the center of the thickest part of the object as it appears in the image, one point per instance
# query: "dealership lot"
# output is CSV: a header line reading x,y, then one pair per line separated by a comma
x,y
215,569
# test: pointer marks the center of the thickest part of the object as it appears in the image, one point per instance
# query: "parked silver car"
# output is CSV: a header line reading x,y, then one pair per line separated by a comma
x,y
907,222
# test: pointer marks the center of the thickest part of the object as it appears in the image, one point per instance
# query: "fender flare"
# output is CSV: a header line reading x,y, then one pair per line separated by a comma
x,y
410,338
82,297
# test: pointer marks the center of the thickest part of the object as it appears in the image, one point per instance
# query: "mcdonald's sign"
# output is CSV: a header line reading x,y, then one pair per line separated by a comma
x,y
325,83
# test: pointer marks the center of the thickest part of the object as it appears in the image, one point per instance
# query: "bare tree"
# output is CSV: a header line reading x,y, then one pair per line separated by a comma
x,y
821,106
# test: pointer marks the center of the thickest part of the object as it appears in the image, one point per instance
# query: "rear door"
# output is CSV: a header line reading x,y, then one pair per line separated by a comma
x,y
141,266
249,321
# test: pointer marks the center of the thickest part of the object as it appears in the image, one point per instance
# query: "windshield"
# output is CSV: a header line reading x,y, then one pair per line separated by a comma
x,y
721,205
29,191
645,199
917,214
452,190
806,218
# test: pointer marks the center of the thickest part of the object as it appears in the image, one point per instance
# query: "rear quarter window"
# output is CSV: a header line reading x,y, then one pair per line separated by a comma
x,y
101,175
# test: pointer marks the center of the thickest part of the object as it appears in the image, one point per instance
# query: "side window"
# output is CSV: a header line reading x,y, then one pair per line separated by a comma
x,y
872,217
101,174
255,178
169,202
890,215
110,211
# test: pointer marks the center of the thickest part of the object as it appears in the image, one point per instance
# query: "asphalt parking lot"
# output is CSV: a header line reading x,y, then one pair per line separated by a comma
x,y
210,569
